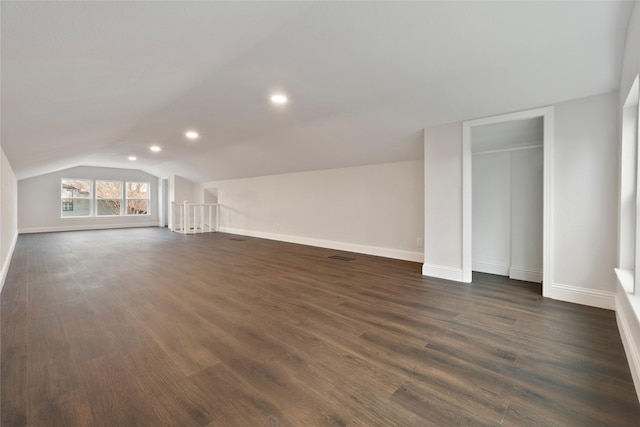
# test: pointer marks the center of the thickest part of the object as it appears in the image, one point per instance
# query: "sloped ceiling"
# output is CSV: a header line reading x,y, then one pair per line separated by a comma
x,y
90,83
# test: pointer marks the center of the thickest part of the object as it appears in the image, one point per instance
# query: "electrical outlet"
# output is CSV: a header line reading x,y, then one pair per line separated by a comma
x,y
419,242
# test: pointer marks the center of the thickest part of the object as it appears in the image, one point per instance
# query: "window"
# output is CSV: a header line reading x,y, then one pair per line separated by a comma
x,y
108,198
76,197
629,231
103,198
137,198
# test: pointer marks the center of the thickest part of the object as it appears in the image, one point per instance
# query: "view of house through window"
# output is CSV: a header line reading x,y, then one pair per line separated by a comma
x,y
110,199
76,197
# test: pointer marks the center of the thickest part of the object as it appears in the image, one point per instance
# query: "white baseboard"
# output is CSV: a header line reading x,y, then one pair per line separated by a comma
x,y
330,244
442,272
490,268
7,262
628,318
28,230
525,274
584,296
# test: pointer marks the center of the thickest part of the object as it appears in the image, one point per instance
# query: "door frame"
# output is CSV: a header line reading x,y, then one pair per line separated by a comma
x,y
547,219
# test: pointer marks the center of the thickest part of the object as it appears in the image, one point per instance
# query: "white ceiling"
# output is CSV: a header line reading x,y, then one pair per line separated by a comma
x,y
89,83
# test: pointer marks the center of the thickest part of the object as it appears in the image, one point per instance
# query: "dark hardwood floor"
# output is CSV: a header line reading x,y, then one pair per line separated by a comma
x,y
151,328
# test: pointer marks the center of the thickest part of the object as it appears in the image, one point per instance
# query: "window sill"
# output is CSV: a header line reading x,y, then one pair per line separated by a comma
x,y
625,278
105,216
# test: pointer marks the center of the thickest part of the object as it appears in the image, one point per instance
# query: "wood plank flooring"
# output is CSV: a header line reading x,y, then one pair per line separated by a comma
x,y
144,327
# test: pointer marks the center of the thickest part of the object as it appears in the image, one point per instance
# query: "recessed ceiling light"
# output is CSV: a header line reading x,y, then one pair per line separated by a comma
x,y
279,99
192,134
132,158
155,148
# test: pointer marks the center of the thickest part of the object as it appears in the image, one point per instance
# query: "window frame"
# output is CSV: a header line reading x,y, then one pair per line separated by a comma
x,y
127,198
97,198
73,199
628,263
93,199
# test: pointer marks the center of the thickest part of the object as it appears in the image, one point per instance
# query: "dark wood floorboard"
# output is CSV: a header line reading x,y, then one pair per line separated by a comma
x,y
144,327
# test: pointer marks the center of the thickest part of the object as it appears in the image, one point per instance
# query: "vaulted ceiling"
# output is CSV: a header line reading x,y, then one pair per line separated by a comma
x,y
91,83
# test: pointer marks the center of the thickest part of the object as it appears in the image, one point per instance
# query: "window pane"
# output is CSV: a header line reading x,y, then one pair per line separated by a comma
x,y
137,207
137,190
76,207
108,189
67,205
108,206
76,188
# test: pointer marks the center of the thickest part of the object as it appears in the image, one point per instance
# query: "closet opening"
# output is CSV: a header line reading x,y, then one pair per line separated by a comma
x,y
507,189
506,201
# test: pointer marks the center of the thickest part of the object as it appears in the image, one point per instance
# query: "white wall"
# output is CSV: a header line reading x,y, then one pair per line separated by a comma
x,y
527,214
443,201
374,209
584,194
39,201
627,305
180,190
164,202
210,195
491,207
585,197
8,215
507,213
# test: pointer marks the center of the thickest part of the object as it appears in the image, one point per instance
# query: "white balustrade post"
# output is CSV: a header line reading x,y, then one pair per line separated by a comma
x,y
185,220
195,221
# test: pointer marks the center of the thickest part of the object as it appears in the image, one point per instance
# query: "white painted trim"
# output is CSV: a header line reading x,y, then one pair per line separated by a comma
x,y
331,244
625,277
85,227
525,274
547,116
631,350
7,262
442,272
584,296
627,317
507,150
467,218
547,203
491,268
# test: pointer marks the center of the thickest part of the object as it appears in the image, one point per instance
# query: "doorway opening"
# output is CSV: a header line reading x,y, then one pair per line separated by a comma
x,y
506,196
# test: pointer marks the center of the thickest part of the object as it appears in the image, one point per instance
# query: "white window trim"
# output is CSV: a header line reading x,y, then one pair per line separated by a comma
x,y
97,198
127,198
91,197
628,270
